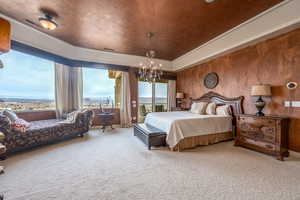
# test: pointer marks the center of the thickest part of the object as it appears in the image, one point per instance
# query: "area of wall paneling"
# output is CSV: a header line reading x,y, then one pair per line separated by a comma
x,y
37,115
274,62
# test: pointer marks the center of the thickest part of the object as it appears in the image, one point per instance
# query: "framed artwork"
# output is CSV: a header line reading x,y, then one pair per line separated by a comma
x,y
211,80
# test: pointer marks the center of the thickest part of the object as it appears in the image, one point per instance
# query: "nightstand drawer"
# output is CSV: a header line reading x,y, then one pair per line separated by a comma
x,y
257,131
258,136
258,121
265,145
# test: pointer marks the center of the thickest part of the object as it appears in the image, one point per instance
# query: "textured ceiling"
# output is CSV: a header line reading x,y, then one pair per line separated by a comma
x,y
179,25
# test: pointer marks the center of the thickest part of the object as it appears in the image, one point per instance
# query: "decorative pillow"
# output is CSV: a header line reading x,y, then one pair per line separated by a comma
x,y
211,109
194,108
72,116
199,108
5,122
20,125
223,110
11,115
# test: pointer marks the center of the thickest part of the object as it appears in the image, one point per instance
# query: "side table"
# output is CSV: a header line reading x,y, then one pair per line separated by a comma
x,y
106,119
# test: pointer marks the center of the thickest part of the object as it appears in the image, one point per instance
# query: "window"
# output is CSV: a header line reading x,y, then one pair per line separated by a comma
x,y
26,82
145,97
161,97
98,88
153,97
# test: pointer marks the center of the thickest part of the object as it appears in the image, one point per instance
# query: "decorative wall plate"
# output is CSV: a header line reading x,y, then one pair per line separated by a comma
x,y
211,80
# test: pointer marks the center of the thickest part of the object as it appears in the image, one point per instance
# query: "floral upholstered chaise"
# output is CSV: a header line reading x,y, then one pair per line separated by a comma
x,y
43,132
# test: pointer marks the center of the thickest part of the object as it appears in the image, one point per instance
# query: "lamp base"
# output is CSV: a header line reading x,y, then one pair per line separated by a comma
x,y
260,104
259,114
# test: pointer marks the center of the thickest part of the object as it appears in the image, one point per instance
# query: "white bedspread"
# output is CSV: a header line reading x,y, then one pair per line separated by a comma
x,y
182,124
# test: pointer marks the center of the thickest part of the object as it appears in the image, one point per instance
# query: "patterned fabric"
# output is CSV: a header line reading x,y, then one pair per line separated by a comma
x,y
20,125
71,117
5,123
11,115
44,132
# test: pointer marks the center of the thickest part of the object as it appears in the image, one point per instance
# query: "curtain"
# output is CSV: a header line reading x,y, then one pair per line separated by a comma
x,y
171,94
125,107
68,89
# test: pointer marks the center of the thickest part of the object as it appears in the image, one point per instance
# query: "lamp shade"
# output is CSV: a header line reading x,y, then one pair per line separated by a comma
x,y
179,95
261,90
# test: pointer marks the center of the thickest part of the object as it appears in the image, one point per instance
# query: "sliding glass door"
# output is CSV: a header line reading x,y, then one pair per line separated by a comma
x,y
160,97
153,97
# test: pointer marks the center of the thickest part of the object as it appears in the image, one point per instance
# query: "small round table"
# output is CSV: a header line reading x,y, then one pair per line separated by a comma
x,y
106,119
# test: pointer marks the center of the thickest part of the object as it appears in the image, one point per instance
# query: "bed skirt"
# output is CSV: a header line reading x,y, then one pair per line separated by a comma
x,y
194,141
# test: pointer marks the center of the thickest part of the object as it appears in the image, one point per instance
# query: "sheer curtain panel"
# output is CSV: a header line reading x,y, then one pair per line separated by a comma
x,y
68,89
125,107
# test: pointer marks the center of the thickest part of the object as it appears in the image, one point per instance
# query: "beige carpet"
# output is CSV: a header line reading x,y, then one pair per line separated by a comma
x,y
117,166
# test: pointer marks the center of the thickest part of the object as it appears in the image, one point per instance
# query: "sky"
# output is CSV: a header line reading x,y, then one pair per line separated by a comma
x,y
27,76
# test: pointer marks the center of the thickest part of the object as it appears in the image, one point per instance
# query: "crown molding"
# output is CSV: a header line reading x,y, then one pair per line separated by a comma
x,y
277,20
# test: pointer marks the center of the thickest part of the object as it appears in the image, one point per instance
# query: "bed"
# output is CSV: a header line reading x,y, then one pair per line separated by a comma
x,y
187,130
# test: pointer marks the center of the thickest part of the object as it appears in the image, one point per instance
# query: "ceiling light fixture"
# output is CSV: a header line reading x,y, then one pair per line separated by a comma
x,y
150,70
48,22
209,1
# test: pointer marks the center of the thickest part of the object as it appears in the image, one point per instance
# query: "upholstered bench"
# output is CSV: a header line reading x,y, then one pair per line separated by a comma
x,y
150,135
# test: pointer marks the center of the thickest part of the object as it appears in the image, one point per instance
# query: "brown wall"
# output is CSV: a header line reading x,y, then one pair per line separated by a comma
x,y
37,115
274,62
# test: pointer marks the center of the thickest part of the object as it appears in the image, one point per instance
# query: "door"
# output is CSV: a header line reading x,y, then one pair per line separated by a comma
x,y
153,97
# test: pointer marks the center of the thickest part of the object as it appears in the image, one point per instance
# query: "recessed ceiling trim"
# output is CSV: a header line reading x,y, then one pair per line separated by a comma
x,y
35,38
284,15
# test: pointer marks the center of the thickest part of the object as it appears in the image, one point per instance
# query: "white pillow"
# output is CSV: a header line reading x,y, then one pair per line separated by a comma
x,y
199,108
211,109
223,110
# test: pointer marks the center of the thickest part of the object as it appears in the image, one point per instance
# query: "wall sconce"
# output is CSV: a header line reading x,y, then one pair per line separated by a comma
x,y
292,85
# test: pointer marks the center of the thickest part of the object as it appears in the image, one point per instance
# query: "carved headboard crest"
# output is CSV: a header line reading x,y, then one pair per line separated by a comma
x,y
236,103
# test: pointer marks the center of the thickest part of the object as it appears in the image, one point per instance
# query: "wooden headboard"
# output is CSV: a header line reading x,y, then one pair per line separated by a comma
x,y
236,103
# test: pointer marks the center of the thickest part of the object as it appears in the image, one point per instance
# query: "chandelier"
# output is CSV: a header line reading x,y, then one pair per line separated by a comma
x,y
150,70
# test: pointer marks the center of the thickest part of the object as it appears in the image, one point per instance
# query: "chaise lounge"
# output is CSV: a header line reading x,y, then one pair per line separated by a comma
x,y
43,132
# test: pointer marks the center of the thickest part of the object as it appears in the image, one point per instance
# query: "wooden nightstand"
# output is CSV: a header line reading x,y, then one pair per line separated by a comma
x,y
268,134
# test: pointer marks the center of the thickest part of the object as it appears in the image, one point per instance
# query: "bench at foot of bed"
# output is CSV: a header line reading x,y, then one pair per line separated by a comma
x,y
150,135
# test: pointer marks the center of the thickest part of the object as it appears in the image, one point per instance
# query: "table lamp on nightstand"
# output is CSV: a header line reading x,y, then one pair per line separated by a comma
x,y
179,97
260,91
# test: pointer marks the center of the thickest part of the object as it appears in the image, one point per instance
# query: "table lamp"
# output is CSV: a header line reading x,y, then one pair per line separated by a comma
x,y
179,96
260,91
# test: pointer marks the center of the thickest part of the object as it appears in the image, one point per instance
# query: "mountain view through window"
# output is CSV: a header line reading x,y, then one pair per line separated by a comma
x,y
26,82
